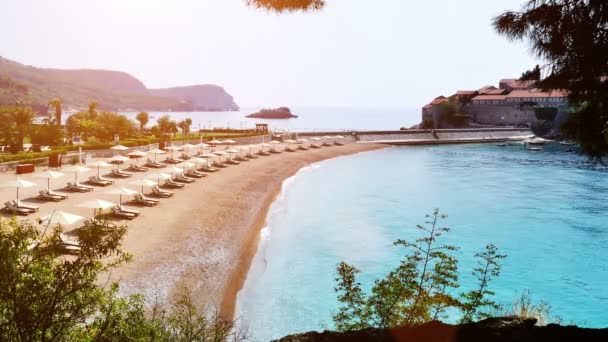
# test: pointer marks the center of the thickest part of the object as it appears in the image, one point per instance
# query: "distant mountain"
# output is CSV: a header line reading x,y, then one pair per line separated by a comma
x,y
204,97
113,90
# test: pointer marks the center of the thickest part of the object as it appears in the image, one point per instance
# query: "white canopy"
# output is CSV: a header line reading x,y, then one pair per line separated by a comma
x,y
120,159
119,148
289,141
207,155
156,151
137,154
142,182
231,150
174,169
121,191
99,164
48,174
158,176
173,148
60,217
229,141
214,142
220,153
96,204
77,168
18,183
274,142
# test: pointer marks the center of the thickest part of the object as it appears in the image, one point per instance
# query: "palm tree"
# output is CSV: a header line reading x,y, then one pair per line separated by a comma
x,y
21,117
93,109
57,110
143,119
288,5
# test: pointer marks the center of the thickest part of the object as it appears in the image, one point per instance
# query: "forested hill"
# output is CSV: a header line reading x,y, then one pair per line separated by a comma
x,y
113,90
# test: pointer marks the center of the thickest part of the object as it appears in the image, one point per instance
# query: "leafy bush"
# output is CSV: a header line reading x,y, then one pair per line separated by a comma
x,y
419,289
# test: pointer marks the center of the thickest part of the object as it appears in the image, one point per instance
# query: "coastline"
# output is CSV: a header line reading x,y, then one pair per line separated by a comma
x,y
205,238
239,275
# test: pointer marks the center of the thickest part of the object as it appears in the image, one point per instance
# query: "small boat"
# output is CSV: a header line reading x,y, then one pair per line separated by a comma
x,y
536,142
535,149
501,144
567,143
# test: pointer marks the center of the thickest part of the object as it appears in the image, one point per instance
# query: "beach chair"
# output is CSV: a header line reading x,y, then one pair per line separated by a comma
x,y
194,174
90,223
13,209
128,210
290,149
22,205
138,168
251,156
118,212
120,174
99,182
172,161
263,153
71,245
337,143
314,146
274,150
154,164
240,158
218,164
185,156
207,168
77,187
143,200
45,195
158,192
180,177
325,143
302,148
232,162
169,183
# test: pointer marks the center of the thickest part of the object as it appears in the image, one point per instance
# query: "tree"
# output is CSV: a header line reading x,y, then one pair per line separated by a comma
x,y
184,125
20,118
418,290
143,119
55,104
164,124
93,108
287,5
571,37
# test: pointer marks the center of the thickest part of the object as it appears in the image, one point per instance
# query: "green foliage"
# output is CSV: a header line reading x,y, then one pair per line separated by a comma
x,y
287,5
571,37
523,306
143,119
14,124
46,135
419,289
102,125
184,125
55,104
46,297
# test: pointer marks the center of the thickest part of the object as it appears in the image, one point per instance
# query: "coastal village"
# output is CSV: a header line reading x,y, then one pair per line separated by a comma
x,y
513,103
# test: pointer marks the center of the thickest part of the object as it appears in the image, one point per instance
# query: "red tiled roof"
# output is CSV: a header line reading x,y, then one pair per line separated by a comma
x,y
538,93
486,89
489,97
496,91
438,100
517,84
466,92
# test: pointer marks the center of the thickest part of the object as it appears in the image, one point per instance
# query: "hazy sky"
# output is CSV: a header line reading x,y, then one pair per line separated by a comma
x,y
353,53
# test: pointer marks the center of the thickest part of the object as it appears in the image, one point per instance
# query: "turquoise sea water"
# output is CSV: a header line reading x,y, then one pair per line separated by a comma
x,y
548,211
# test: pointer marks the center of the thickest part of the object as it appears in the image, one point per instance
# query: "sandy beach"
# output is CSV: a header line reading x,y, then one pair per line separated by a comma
x,y
204,237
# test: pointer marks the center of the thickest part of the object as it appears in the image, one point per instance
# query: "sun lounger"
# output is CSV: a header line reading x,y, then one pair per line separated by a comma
x,y
154,164
143,200
172,161
158,192
326,144
194,174
290,149
45,195
128,210
20,204
232,162
120,174
218,164
251,156
99,182
263,153
240,158
70,244
314,146
13,209
185,156
302,148
138,168
77,187
206,168
180,177
275,151
337,143
169,183
96,223
118,212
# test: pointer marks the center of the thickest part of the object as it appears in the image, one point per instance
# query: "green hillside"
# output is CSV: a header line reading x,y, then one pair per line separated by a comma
x,y
113,90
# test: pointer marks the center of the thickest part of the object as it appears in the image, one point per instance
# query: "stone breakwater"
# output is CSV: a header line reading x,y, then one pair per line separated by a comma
x,y
444,136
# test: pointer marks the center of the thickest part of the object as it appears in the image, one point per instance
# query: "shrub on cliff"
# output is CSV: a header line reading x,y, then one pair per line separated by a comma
x,y
420,289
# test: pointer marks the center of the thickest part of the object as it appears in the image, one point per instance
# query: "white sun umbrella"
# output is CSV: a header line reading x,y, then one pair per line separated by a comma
x,y
18,183
99,164
60,217
96,204
137,154
174,169
274,142
49,174
339,137
142,182
289,141
198,160
229,142
77,169
187,165
158,176
156,151
121,191
172,149
220,154
119,148
231,151
214,142
207,156
119,159
187,147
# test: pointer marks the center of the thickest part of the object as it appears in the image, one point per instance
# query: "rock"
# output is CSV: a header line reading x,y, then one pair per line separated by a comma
x,y
277,113
502,329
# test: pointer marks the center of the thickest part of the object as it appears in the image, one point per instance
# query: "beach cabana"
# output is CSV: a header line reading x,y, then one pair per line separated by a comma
x,y
18,183
77,169
49,174
120,191
96,204
60,217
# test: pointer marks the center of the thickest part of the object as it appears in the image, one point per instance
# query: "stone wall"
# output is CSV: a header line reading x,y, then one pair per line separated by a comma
x,y
444,136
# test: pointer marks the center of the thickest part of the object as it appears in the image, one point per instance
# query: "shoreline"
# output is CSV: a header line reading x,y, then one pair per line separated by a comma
x,y
239,275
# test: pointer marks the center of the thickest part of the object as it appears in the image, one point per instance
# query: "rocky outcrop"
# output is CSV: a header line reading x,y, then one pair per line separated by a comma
x,y
277,113
205,97
503,329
